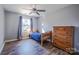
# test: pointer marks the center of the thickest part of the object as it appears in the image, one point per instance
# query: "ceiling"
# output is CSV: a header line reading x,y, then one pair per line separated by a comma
x,y
19,7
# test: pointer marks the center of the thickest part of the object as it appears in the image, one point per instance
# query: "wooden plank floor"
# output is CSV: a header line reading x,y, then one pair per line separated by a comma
x,y
30,47
24,47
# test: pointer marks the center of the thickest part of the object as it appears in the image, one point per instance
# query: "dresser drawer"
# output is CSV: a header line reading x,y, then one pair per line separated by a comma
x,y
65,43
64,31
62,46
59,45
60,30
63,38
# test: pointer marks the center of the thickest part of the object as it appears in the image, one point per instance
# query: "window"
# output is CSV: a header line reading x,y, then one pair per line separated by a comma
x,y
25,27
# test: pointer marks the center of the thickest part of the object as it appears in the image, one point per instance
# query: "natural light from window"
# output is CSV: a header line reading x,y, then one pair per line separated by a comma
x,y
43,31
25,27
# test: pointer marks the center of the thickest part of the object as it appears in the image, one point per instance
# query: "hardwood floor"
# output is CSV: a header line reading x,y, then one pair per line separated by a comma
x,y
54,50
30,47
24,47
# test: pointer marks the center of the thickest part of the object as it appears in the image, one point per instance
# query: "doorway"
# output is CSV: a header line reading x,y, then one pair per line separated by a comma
x,y
26,27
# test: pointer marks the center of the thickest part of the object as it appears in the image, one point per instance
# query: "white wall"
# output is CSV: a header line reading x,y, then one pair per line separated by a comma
x,y
64,16
36,23
1,28
11,25
68,16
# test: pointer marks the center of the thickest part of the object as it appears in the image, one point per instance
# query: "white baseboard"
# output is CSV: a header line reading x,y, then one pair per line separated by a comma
x,y
11,40
25,38
2,46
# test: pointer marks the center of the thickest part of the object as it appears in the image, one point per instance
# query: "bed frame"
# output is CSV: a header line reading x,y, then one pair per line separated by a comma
x,y
45,36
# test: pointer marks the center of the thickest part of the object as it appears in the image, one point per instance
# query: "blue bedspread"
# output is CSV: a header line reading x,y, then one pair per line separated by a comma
x,y
36,36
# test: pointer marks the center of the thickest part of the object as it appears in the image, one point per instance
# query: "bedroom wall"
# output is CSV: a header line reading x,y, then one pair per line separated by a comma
x,y
64,16
1,28
68,16
11,24
36,23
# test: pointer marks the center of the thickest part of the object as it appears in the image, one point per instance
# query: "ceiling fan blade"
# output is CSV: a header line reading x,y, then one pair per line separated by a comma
x,y
41,10
37,13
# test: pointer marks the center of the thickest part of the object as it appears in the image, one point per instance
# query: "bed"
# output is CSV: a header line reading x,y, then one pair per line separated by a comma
x,y
35,36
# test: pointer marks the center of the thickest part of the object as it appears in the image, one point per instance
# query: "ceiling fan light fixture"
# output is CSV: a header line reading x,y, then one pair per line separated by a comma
x,y
34,11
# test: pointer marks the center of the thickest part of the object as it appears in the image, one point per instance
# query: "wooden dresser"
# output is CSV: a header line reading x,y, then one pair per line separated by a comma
x,y
63,37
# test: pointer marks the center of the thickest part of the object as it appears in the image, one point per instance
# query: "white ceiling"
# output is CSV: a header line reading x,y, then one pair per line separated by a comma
x,y
19,7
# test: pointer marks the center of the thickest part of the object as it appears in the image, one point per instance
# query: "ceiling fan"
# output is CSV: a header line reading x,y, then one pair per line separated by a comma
x,y
35,10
